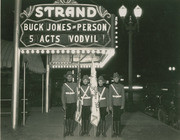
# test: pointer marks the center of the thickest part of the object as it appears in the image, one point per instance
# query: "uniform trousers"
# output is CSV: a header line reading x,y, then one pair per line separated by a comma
x,y
117,112
86,112
103,113
70,110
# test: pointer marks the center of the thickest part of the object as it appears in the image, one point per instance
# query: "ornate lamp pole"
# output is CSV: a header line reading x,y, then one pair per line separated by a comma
x,y
130,27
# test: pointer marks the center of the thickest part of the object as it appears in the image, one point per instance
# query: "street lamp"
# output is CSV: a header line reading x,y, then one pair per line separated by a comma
x,y
130,27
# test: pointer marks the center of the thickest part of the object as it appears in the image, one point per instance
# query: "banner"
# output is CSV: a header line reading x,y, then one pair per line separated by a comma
x,y
78,115
95,113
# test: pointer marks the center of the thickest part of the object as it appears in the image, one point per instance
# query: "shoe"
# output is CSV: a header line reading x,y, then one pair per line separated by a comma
x,y
82,133
71,134
97,134
119,135
87,134
66,131
114,135
104,134
66,134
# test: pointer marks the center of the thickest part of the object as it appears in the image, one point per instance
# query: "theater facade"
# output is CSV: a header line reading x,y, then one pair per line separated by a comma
x,y
71,35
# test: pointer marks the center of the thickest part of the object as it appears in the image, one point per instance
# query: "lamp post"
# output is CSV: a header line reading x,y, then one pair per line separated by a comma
x,y
130,27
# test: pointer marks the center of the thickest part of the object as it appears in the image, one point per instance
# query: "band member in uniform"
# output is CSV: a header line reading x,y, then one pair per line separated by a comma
x,y
69,98
85,95
103,104
117,103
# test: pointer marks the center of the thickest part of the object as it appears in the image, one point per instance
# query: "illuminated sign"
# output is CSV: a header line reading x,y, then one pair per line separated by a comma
x,y
66,25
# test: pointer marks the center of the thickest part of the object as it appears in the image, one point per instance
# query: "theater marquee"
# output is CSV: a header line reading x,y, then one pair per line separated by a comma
x,y
67,25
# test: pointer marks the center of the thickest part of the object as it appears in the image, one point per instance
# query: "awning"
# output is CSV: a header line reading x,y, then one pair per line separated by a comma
x,y
34,61
6,54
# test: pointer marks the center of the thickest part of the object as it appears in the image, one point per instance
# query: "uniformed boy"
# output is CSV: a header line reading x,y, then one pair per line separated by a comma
x,y
117,103
69,98
103,104
85,95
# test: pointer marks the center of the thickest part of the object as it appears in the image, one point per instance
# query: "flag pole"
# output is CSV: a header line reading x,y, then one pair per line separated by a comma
x,y
92,62
94,128
78,80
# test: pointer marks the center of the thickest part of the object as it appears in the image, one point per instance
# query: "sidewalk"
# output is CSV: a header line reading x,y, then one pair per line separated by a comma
x,y
137,126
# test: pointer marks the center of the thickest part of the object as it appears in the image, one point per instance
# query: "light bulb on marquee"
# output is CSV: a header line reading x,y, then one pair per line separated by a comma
x,y
67,51
83,51
78,51
103,51
88,51
22,51
47,51
73,51
52,51
57,51
62,51
97,51
37,51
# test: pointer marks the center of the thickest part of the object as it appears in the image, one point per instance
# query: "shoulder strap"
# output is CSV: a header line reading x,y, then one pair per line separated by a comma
x,y
85,92
114,89
69,87
102,92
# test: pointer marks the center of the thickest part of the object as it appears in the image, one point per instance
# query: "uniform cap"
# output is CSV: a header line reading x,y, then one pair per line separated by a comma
x,y
69,73
85,77
101,78
116,75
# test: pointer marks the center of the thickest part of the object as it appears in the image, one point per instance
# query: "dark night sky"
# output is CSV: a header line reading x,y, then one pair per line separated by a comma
x,y
155,47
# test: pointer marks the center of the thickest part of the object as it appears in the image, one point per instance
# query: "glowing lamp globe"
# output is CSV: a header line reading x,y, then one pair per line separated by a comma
x,y
138,11
122,11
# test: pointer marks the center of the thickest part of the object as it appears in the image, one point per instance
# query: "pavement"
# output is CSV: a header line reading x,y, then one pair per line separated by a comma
x,y
49,126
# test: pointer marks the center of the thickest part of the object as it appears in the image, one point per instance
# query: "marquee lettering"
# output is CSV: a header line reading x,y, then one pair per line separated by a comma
x,y
88,12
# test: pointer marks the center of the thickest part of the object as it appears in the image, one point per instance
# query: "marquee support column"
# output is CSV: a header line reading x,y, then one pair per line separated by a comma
x,y
42,93
47,85
16,67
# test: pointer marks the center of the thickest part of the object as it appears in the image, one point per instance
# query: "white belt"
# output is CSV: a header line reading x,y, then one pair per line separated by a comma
x,y
117,96
86,97
69,93
103,98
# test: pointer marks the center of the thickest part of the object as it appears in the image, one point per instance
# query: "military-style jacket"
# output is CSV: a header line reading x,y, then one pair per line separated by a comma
x,y
103,91
85,95
117,96
69,93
